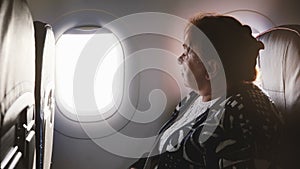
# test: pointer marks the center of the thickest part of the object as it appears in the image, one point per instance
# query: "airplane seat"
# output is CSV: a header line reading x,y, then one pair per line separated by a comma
x,y
17,73
280,78
280,70
44,92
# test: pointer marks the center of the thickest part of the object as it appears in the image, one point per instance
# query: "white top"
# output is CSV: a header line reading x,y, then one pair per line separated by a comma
x,y
196,108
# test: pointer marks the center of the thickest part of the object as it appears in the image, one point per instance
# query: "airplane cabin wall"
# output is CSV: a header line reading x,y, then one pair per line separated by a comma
x,y
72,146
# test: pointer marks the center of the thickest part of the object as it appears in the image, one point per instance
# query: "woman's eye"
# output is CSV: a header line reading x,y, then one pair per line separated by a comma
x,y
186,51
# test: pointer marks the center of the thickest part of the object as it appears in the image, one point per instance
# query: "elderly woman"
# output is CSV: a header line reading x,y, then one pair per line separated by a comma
x,y
227,122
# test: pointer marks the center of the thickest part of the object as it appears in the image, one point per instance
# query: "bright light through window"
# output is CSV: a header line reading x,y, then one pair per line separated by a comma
x,y
69,48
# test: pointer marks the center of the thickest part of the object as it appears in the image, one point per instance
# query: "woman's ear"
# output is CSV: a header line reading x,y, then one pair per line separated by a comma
x,y
212,69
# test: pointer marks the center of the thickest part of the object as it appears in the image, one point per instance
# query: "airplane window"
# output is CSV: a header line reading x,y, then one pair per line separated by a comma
x,y
72,48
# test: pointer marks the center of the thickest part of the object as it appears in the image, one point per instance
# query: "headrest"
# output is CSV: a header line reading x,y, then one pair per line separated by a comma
x,y
279,64
17,55
292,26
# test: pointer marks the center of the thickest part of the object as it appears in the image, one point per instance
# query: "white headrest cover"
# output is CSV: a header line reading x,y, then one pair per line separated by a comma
x,y
279,63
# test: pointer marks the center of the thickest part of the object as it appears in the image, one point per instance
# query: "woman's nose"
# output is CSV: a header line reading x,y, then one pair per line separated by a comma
x,y
180,59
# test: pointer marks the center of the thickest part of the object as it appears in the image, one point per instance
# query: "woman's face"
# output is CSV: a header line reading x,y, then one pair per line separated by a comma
x,y
193,70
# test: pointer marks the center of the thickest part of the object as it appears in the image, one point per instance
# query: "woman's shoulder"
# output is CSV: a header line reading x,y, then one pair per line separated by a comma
x,y
249,96
250,106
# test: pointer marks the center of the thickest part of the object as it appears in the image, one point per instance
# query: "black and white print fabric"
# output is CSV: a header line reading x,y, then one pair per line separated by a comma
x,y
194,110
238,133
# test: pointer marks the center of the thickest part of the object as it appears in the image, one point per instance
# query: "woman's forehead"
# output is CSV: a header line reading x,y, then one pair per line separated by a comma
x,y
189,43
186,38
191,40
199,43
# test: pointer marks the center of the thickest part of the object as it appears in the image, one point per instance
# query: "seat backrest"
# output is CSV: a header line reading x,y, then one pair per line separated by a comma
x,y
17,75
44,92
279,64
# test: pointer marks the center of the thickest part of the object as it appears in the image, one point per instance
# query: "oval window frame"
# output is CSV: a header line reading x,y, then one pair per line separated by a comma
x,y
67,111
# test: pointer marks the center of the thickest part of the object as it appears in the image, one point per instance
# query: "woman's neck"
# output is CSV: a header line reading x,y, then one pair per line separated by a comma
x,y
206,98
